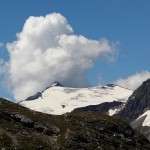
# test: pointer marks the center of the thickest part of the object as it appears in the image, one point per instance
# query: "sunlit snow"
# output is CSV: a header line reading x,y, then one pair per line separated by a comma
x,y
59,100
112,112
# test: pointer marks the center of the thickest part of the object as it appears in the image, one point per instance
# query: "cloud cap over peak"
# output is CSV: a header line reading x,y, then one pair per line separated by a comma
x,y
48,50
134,81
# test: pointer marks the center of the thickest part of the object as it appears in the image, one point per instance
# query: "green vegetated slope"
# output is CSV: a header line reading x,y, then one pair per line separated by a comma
x,y
24,129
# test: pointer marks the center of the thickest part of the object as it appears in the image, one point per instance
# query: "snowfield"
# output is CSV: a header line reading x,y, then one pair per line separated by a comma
x,y
59,100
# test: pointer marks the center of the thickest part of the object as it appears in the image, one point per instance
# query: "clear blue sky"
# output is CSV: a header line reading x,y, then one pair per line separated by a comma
x,y
125,21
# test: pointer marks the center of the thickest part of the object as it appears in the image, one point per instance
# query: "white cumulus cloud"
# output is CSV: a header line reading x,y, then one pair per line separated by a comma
x,y
47,50
2,62
134,81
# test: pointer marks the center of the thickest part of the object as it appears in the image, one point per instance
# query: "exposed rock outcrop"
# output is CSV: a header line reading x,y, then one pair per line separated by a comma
x,y
137,103
101,108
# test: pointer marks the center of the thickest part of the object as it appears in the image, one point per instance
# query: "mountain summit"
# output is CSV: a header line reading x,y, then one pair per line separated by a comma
x,y
59,100
56,83
39,94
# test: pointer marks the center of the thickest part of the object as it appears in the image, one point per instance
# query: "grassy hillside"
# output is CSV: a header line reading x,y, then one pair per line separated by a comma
x,y
24,129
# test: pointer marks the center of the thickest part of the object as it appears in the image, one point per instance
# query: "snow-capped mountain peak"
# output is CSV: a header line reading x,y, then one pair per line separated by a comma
x,y
56,83
59,100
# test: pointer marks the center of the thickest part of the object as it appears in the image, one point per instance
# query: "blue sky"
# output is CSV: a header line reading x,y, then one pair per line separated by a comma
x,y
126,22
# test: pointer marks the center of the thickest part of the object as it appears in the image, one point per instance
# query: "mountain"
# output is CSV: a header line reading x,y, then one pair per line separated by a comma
x,y
59,100
137,109
39,94
56,83
25,129
109,108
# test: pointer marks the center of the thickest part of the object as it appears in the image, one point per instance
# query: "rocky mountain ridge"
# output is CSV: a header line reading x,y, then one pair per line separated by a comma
x,y
59,100
109,108
137,109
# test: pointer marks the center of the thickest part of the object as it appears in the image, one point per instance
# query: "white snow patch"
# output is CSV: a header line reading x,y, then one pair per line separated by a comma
x,y
146,122
112,112
59,100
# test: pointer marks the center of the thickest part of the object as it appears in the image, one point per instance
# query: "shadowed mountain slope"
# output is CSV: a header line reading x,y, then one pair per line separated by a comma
x,y
137,103
137,109
22,128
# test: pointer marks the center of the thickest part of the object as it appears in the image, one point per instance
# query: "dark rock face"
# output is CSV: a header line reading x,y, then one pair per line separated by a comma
x,y
101,108
21,128
36,96
39,94
137,103
145,130
111,85
56,83
22,119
